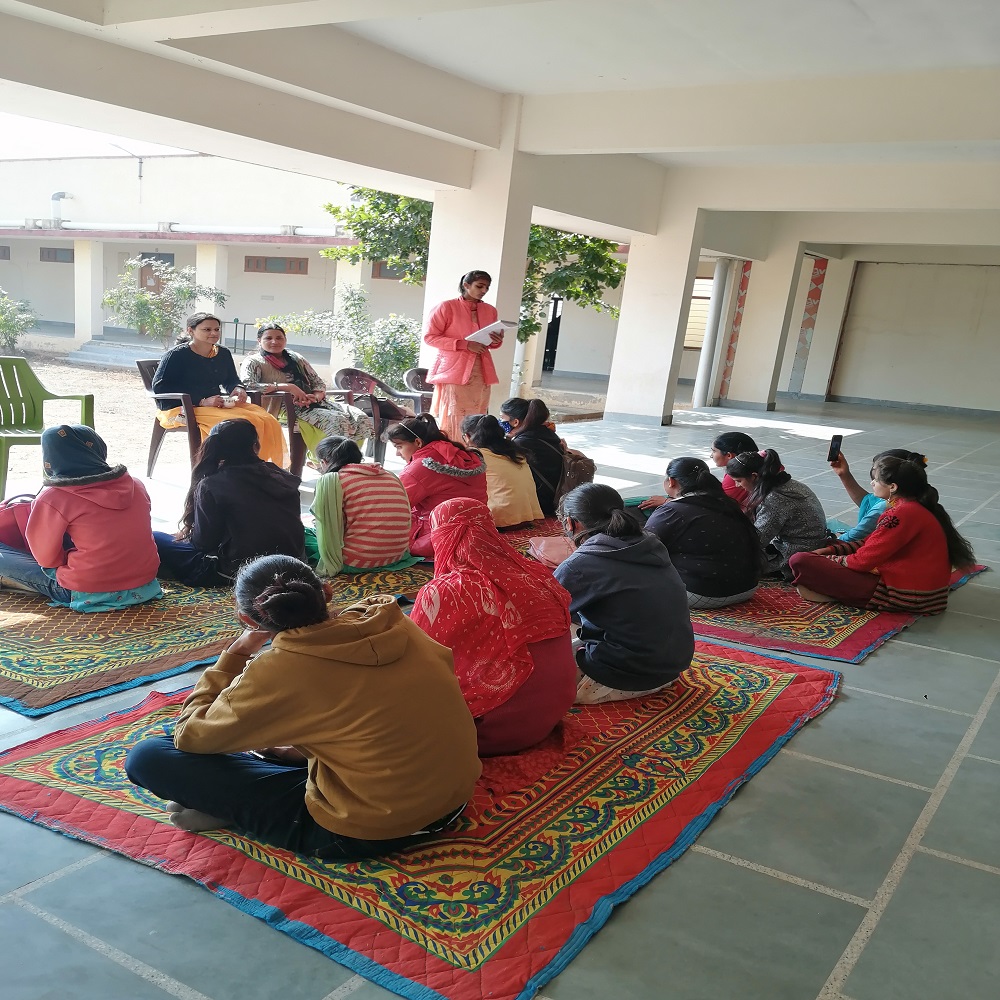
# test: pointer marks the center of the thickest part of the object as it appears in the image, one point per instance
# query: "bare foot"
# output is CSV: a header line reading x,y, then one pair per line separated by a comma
x,y
810,595
192,820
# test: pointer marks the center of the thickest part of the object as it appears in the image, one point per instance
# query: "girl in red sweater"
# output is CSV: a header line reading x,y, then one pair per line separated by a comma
x,y
904,564
437,469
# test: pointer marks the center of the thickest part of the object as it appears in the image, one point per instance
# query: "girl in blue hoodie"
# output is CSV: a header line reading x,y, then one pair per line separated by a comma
x,y
635,628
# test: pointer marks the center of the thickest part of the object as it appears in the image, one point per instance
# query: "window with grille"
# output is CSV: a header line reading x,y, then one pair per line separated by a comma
x,y
276,265
380,269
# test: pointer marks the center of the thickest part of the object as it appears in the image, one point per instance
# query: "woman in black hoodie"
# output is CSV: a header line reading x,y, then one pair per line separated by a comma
x,y
239,507
635,628
528,420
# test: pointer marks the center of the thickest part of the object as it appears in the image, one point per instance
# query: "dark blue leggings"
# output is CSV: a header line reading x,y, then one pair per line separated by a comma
x,y
257,797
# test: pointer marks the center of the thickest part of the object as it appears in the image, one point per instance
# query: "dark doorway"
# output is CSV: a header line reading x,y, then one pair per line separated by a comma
x,y
552,333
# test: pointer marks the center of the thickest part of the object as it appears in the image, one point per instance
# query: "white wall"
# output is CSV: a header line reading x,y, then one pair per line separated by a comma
x,y
922,333
47,286
198,190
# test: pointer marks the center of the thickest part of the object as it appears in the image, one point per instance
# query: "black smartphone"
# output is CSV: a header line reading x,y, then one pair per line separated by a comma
x,y
835,442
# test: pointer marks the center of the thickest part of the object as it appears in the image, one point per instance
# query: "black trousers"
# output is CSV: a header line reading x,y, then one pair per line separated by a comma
x,y
262,799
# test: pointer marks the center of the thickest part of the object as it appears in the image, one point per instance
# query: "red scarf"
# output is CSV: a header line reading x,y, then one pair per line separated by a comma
x,y
487,603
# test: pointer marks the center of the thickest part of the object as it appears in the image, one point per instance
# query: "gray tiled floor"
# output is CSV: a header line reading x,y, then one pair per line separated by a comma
x,y
862,863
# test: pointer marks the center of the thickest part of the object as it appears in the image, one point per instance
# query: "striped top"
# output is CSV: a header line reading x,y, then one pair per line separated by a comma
x,y
376,516
909,553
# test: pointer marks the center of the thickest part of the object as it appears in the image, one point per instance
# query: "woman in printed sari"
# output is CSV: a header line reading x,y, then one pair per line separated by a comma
x,y
506,621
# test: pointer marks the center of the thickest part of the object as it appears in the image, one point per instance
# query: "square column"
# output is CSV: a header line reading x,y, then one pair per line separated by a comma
x,y
833,305
485,227
770,304
656,300
88,290
212,269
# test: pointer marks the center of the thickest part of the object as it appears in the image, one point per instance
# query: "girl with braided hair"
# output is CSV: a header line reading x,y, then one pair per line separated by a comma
x,y
904,564
369,743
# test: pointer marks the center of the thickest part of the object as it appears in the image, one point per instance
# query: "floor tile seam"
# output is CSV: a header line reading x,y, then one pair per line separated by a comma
x,y
908,701
350,986
984,504
985,760
130,963
906,641
855,770
775,873
51,877
959,860
982,447
862,936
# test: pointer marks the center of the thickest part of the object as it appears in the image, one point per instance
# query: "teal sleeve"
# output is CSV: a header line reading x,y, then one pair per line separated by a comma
x,y
871,509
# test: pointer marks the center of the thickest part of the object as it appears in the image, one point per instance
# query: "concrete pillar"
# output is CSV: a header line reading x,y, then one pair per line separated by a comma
x,y
713,326
767,314
656,300
346,275
485,227
833,308
212,269
88,290
797,324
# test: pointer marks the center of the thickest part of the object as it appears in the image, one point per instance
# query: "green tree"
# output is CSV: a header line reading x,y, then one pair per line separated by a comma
x,y
385,348
397,229
16,319
158,313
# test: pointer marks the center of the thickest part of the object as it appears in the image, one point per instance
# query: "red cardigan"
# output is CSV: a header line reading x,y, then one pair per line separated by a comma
x,y
448,326
909,553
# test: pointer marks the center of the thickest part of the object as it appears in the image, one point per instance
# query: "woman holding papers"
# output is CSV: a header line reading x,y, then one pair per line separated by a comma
x,y
463,371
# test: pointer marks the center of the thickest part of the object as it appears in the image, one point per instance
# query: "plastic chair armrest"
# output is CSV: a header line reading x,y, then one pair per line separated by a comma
x,y
85,399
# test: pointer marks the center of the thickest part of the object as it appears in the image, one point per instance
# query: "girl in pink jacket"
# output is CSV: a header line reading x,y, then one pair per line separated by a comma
x,y
88,534
437,469
463,370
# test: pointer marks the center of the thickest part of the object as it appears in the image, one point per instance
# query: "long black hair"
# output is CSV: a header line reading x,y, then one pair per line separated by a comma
x,y
734,442
532,413
484,431
768,469
423,428
194,320
280,592
230,442
334,452
909,456
910,481
694,476
601,511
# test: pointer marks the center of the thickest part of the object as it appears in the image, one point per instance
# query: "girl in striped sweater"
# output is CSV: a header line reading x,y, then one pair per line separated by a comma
x,y
904,564
362,513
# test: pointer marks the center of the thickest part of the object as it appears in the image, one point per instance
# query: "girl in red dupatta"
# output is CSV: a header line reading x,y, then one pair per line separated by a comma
x,y
506,621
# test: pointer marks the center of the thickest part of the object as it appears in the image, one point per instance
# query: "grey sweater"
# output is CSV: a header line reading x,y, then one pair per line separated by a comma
x,y
790,520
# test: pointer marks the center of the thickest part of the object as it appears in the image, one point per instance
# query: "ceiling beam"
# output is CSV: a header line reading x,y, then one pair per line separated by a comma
x,y
114,76
360,76
161,19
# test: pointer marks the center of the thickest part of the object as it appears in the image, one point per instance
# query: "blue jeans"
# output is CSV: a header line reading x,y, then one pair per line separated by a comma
x,y
21,568
263,799
181,561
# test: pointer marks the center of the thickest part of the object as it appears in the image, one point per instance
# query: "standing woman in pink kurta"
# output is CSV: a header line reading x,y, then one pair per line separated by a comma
x,y
463,371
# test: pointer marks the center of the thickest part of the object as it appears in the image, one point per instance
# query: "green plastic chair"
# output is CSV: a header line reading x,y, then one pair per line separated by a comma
x,y
22,399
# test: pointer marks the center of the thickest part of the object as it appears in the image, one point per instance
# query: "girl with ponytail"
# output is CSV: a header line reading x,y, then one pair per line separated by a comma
x,y
905,564
787,514
531,429
510,486
238,507
360,741
635,630
437,469
712,544
870,506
